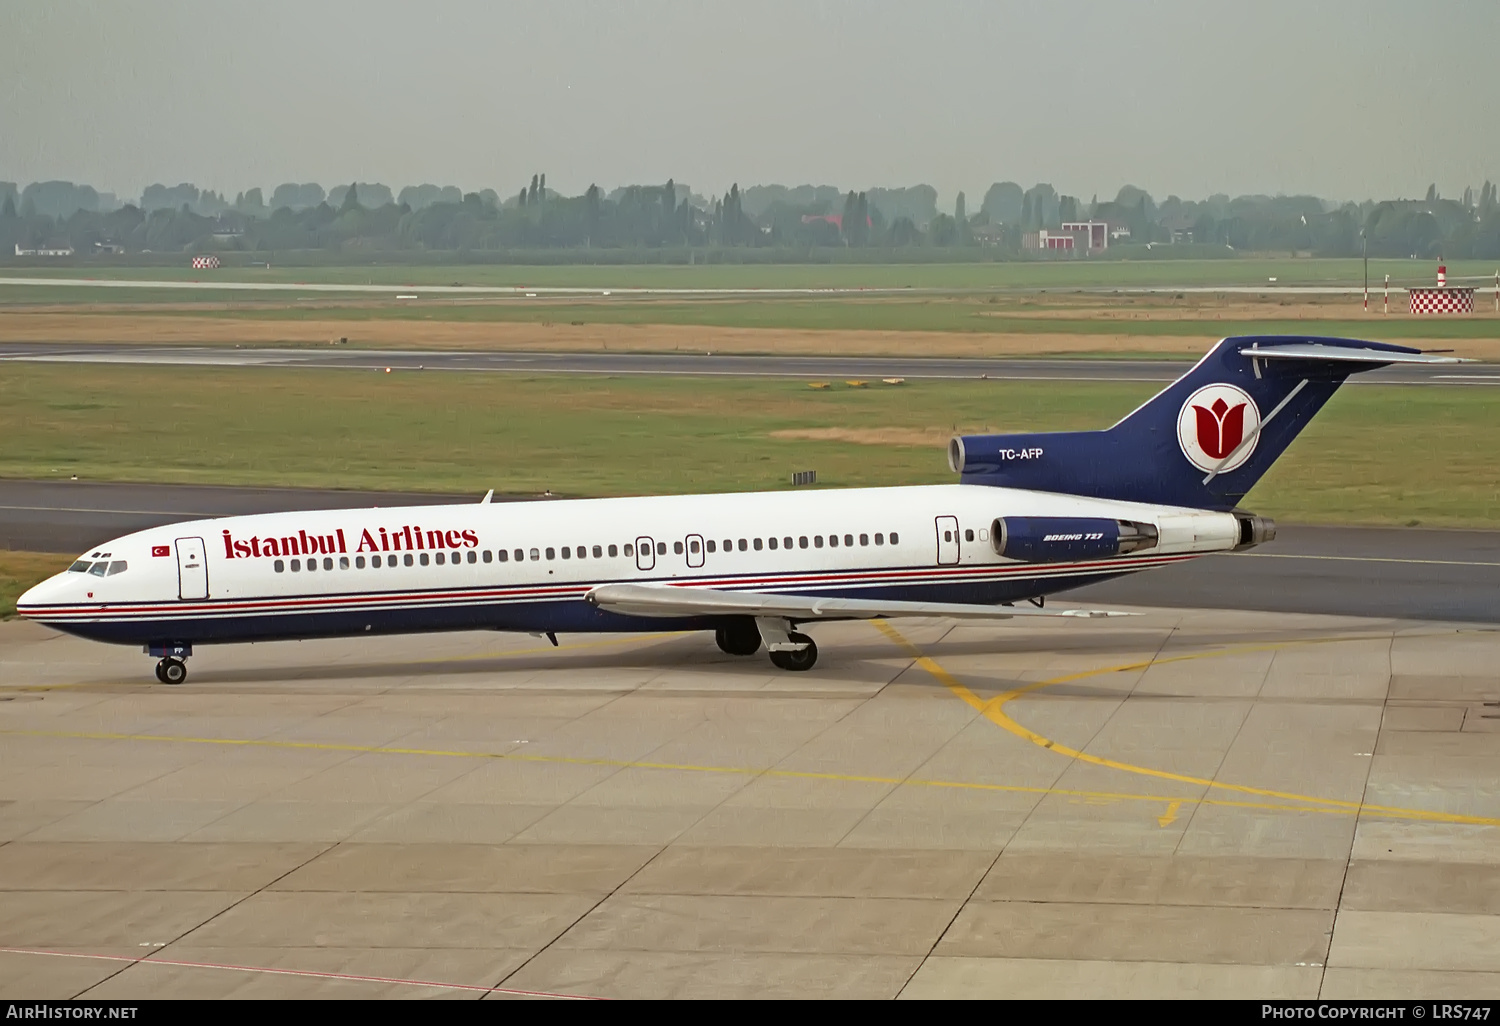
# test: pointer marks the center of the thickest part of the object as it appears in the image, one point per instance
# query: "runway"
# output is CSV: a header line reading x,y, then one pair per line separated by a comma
x,y
525,291
873,369
1404,573
1187,803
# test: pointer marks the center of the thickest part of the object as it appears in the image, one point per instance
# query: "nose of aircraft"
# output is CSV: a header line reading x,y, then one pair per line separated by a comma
x,y
41,595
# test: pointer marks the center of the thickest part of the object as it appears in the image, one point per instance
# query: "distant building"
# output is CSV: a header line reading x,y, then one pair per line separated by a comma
x,y
987,234
1179,229
1070,237
222,232
108,248
1048,241
52,249
1094,234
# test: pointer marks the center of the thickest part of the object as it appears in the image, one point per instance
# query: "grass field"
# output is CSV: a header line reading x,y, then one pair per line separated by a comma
x,y
1126,317
1375,455
1023,274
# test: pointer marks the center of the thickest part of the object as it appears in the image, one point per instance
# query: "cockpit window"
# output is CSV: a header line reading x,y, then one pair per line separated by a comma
x,y
117,567
100,568
80,566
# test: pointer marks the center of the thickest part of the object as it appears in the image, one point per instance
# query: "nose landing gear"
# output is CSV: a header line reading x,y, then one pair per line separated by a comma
x,y
171,671
173,666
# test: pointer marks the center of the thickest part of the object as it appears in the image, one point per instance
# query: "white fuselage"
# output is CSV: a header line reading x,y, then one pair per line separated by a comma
x,y
527,565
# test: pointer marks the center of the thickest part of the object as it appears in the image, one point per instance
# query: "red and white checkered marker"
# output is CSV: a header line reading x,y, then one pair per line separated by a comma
x,y
205,263
1442,301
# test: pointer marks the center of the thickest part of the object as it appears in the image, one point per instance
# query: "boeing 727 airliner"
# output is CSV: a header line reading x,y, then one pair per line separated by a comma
x,y
1032,514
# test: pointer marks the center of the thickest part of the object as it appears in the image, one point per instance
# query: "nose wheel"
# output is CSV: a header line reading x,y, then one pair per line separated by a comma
x,y
171,671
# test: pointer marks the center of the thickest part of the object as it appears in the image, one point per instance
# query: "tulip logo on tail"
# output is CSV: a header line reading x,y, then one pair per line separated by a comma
x,y
1214,425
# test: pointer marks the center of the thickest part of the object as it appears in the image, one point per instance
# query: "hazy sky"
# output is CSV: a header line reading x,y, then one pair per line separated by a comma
x,y
1343,98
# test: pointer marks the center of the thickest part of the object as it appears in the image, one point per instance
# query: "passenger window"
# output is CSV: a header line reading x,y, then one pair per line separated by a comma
x,y
848,540
629,550
439,558
743,545
407,559
296,565
677,548
488,556
474,557
613,551
424,559
503,554
879,539
279,566
756,544
968,534
359,562
598,552
833,541
728,544
895,538
947,536
312,564
786,543
771,542
661,548
99,569
344,562
566,554
802,542
864,539
711,545
551,552
694,547
79,567
817,541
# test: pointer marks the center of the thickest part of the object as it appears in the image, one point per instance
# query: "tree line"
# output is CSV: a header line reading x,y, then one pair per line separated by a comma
x,y
368,218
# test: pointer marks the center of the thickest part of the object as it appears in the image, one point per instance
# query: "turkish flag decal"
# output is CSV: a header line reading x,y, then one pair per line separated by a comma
x,y
161,550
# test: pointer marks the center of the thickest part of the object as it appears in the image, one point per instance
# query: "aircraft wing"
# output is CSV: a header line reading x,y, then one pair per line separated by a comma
x,y
670,600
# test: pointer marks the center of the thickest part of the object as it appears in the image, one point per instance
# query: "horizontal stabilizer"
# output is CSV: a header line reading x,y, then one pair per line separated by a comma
x,y
670,600
1344,354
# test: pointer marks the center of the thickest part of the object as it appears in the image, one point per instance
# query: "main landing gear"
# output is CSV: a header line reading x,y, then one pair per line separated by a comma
x,y
173,666
796,658
742,636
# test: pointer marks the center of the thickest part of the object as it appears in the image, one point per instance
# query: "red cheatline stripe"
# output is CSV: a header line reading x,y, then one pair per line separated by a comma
x,y
302,972
354,602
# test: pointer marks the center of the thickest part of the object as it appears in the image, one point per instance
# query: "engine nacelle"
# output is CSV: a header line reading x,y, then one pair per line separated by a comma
x,y
1254,530
1068,539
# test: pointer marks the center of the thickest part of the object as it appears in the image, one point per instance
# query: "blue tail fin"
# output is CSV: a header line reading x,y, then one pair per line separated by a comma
x,y
1203,442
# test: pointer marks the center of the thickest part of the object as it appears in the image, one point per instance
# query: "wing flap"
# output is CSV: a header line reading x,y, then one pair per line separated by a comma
x,y
671,600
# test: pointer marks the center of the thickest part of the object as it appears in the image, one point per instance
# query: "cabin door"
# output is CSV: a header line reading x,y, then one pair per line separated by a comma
x,y
192,569
645,554
947,541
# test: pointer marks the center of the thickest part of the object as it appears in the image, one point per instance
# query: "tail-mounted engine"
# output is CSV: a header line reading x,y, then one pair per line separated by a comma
x,y
1254,530
1068,539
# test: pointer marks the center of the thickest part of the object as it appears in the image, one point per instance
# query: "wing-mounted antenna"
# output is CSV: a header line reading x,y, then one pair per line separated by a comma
x,y
487,497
